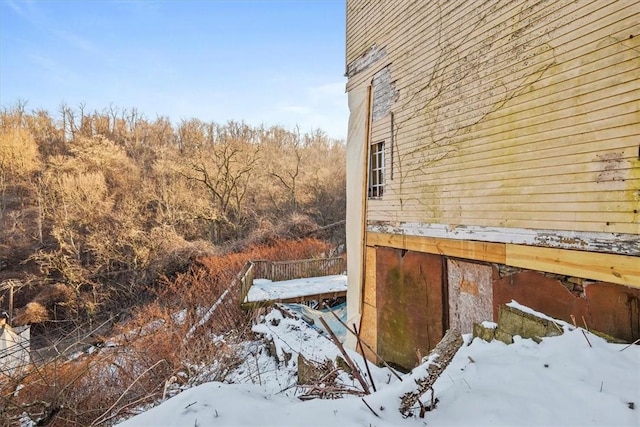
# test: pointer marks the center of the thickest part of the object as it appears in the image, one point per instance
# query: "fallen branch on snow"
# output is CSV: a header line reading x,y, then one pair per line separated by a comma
x,y
438,359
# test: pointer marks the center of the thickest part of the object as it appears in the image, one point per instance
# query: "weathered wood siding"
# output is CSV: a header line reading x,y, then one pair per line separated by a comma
x,y
516,114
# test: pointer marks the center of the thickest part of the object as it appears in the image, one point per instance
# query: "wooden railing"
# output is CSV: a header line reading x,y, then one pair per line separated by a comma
x,y
288,270
246,280
297,269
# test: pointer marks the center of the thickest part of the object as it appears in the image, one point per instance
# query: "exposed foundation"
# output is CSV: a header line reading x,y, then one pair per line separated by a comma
x,y
411,298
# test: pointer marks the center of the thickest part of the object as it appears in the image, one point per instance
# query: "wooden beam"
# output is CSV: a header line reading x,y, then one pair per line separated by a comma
x,y
469,249
301,299
620,269
612,268
318,297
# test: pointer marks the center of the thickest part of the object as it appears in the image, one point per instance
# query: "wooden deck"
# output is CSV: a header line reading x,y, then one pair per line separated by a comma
x,y
265,283
297,290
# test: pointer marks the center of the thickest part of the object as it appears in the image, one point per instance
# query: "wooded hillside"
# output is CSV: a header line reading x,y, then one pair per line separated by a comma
x,y
96,206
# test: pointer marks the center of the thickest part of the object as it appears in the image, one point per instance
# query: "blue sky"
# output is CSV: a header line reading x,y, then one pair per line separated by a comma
x,y
262,61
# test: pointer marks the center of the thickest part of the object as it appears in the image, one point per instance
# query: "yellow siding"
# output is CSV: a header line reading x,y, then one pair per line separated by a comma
x,y
520,114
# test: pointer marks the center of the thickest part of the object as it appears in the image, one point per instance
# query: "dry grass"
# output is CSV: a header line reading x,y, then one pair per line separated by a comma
x,y
33,312
153,348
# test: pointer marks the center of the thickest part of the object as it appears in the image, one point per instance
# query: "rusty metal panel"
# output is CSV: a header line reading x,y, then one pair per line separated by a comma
x,y
470,294
409,304
605,307
614,310
539,292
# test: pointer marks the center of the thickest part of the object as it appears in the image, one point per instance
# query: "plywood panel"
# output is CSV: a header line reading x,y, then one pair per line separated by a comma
x,y
410,305
470,294
369,331
370,276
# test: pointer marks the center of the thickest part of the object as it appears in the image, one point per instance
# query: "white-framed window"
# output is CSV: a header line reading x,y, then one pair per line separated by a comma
x,y
376,170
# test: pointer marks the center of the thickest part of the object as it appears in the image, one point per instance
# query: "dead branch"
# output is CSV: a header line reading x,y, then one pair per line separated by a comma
x,y
439,359
370,408
328,392
102,418
354,368
366,363
635,342
364,343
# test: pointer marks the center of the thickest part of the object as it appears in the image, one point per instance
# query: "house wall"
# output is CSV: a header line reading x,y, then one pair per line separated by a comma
x,y
604,307
512,138
507,116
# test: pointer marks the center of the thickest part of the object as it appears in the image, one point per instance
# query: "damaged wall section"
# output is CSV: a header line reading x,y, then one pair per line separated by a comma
x,y
410,304
604,307
470,294
384,93
364,61
411,298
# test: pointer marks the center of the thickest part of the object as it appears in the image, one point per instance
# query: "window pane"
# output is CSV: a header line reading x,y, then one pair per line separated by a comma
x,y
376,170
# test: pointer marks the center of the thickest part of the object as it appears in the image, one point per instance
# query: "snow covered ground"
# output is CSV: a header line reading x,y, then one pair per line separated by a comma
x,y
266,290
560,382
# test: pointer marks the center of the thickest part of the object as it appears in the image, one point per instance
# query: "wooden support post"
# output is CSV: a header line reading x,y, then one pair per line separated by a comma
x,y
11,304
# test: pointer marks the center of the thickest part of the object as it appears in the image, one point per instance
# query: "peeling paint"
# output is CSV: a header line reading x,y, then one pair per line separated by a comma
x,y
384,93
363,62
611,167
616,243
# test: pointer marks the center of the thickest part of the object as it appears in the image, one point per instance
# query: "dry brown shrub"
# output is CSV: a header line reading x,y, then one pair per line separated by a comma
x,y
18,152
31,313
170,253
92,387
290,250
58,293
293,227
85,193
54,298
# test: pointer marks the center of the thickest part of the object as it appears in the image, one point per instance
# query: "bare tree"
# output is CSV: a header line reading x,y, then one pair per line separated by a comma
x,y
225,170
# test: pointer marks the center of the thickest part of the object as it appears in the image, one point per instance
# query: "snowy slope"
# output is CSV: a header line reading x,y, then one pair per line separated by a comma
x,y
560,382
